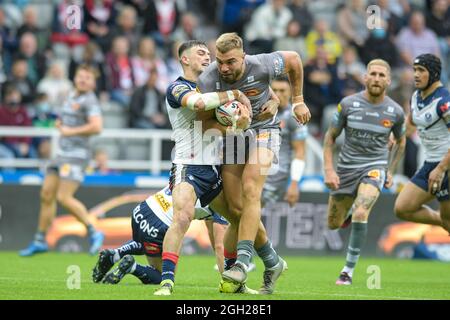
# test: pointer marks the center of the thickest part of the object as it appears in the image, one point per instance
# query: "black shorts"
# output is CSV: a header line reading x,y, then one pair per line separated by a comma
x,y
148,230
420,179
205,179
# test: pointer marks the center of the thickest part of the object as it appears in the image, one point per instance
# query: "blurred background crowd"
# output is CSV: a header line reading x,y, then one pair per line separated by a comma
x,y
132,44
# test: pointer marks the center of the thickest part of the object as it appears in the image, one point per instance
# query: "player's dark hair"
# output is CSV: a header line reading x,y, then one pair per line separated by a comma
x,y
282,78
190,44
433,65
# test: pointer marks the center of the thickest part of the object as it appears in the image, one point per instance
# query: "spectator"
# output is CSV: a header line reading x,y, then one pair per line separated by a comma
x,y
301,14
416,39
351,71
19,79
145,61
237,13
93,57
56,85
35,60
30,24
268,23
119,71
352,24
322,86
322,37
188,29
438,20
174,69
161,19
293,41
147,107
99,20
3,76
8,38
13,113
126,27
380,45
100,164
394,22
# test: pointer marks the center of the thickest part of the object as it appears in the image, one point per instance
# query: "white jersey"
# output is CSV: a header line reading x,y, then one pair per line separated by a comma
x,y
432,118
161,204
191,146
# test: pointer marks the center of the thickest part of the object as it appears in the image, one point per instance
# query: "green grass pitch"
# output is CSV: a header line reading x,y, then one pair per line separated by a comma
x,y
46,277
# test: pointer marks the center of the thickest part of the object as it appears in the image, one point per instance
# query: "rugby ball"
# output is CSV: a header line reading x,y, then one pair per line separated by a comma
x,y
227,114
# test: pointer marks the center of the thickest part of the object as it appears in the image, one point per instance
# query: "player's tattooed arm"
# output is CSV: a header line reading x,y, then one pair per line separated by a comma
x,y
396,155
294,70
270,108
331,178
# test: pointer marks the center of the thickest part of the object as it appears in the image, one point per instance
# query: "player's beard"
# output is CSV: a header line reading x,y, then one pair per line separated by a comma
x,y
376,91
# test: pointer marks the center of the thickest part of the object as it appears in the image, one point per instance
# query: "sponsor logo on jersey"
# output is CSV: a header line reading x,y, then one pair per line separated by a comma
x,y
356,104
250,79
278,66
252,92
162,201
386,123
152,248
178,90
64,170
390,109
263,136
428,117
353,117
374,174
373,114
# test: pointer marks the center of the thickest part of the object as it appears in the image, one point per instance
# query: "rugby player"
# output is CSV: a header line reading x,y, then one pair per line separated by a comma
x,y
430,113
363,168
291,161
80,119
195,173
244,178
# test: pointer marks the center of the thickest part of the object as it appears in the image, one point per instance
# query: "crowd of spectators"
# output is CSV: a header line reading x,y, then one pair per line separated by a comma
x,y
132,44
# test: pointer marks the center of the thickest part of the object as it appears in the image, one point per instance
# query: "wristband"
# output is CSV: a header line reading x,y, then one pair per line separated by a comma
x,y
297,168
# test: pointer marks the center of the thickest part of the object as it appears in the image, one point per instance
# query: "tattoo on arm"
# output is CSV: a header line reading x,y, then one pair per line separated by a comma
x,y
397,153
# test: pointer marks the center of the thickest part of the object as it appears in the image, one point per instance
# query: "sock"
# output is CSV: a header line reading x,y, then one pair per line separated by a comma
x,y
132,248
230,258
39,236
147,274
169,262
357,239
268,255
244,252
90,229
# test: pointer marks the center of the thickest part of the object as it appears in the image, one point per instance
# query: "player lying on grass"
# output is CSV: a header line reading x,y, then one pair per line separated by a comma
x,y
150,221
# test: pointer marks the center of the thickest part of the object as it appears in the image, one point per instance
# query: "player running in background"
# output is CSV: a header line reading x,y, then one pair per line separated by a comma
x,y
80,119
363,168
244,178
149,222
291,161
194,173
430,113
